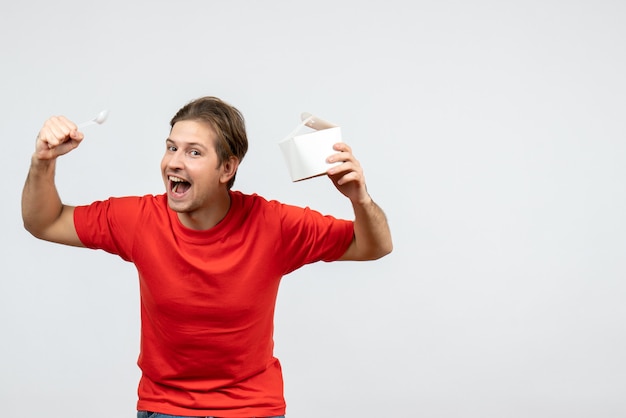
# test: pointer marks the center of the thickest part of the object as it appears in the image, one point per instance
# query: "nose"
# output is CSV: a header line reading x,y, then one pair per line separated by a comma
x,y
174,160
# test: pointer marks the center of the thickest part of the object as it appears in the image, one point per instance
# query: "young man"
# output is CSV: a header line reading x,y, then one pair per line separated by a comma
x,y
209,259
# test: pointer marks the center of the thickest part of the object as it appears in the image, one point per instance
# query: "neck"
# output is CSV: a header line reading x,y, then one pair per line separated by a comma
x,y
206,218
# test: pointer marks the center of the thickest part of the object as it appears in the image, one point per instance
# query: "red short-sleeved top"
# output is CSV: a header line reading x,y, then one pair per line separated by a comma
x,y
208,297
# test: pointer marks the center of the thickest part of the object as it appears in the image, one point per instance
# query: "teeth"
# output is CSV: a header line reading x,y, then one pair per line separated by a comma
x,y
175,182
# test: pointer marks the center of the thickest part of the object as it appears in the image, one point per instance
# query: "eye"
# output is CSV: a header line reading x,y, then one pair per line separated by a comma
x,y
194,152
171,148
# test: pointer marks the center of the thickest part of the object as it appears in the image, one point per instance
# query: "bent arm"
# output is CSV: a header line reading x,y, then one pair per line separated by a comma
x,y
372,236
43,213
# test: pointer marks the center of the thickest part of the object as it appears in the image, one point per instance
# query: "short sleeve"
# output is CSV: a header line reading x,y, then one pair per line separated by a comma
x,y
109,225
308,236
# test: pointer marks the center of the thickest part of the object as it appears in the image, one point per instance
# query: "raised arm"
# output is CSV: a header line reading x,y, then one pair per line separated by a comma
x,y
43,213
372,237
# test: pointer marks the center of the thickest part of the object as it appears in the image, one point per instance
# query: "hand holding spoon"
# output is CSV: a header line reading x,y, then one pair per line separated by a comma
x,y
102,116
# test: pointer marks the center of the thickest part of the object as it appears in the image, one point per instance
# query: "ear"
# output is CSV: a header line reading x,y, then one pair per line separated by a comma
x,y
229,169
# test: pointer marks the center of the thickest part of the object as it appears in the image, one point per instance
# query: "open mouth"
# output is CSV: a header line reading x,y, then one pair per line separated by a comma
x,y
178,186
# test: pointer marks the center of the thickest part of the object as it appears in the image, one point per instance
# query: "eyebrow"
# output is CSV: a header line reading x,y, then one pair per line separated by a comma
x,y
187,144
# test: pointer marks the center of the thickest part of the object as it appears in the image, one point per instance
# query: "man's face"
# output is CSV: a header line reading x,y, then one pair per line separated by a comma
x,y
192,174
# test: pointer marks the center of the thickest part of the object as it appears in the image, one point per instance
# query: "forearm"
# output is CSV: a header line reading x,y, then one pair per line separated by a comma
x,y
41,204
372,236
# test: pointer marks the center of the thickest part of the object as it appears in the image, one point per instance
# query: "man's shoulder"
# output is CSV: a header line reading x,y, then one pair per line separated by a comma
x,y
148,202
147,198
255,206
248,200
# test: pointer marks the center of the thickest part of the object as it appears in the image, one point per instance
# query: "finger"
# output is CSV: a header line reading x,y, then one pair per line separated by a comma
x,y
342,146
344,168
57,130
58,136
341,156
54,131
63,125
66,147
349,177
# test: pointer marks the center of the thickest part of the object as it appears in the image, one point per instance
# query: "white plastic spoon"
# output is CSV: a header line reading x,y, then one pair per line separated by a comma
x,y
102,116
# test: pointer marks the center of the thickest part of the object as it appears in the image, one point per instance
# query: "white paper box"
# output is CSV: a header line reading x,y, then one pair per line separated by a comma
x,y
306,154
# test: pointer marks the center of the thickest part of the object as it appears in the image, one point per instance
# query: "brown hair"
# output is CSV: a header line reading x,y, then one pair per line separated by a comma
x,y
226,120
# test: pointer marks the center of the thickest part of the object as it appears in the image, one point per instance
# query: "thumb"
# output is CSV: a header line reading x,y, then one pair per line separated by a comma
x,y
74,140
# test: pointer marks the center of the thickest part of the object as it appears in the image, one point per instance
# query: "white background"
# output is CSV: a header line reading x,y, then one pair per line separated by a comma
x,y
492,133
